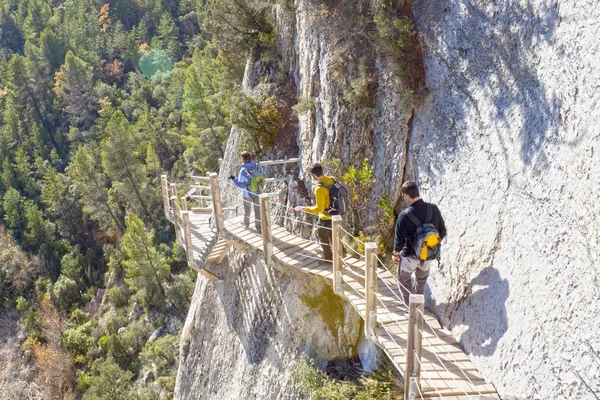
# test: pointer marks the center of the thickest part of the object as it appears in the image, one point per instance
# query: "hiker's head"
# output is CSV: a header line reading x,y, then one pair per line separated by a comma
x,y
245,156
316,170
410,190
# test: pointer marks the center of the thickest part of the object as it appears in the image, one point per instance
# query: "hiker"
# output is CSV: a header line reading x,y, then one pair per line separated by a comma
x,y
251,180
418,221
322,204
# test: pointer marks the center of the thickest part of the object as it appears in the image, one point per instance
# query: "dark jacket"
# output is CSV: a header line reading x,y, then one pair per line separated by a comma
x,y
405,228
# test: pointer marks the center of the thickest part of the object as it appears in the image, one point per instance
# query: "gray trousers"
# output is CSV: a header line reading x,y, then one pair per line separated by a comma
x,y
409,265
249,203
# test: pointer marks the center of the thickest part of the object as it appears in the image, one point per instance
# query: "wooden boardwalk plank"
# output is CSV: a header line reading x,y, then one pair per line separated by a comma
x,y
446,369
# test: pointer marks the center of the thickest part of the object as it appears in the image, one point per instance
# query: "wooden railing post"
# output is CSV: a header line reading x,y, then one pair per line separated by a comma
x,y
370,289
184,204
413,346
216,199
187,231
337,250
165,194
265,224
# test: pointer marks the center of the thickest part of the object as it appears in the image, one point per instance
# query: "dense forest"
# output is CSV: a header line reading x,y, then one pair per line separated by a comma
x,y
97,99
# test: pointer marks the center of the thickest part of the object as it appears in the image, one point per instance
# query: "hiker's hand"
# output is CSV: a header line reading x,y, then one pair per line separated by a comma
x,y
232,177
299,208
396,257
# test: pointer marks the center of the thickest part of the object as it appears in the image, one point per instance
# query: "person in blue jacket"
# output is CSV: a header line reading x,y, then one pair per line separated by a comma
x,y
250,180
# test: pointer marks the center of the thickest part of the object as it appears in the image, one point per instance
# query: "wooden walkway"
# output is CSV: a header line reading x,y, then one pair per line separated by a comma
x,y
443,369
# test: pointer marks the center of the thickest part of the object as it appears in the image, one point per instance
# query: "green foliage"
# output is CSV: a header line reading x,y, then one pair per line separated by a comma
x,y
162,354
209,90
386,206
119,296
317,385
397,42
65,293
146,269
361,92
156,65
359,183
108,381
261,121
239,26
78,339
304,105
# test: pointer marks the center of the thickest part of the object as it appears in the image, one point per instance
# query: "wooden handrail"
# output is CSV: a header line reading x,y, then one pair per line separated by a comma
x,y
337,249
265,223
164,184
414,342
216,198
370,290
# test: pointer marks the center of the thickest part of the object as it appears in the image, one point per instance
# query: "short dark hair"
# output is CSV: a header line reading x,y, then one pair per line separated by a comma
x,y
316,169
410,189
246,156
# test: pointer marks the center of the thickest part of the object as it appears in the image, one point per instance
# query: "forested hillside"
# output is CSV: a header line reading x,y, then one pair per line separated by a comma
x,y
97,99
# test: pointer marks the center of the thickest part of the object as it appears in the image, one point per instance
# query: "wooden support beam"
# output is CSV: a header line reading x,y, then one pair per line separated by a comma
x,y
216,199
200,187
176,219
188,236
280,179
265,223
200,178
413,347
165,195
338,250
370,290
275,162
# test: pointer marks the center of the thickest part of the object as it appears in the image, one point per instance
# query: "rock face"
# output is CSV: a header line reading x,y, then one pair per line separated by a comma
x,y
243,334
506,142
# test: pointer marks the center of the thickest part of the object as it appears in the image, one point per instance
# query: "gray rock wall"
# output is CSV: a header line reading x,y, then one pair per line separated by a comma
x,y
507,144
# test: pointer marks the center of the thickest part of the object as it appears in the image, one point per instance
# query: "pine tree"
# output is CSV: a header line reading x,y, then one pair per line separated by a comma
x,y
120,161
208,90
53,48
73,85
146,269
62,206
38,14
92,184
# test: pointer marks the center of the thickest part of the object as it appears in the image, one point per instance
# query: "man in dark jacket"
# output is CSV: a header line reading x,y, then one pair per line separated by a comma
x,y
405,235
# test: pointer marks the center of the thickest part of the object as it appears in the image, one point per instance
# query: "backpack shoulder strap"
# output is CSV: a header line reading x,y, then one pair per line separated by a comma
x,y
414,219
428,215
325,185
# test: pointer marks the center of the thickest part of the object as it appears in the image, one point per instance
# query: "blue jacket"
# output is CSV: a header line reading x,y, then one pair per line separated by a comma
x,y
243,180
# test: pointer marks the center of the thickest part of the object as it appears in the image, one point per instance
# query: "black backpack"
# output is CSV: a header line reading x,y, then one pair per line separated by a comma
x,y
338,198
426,243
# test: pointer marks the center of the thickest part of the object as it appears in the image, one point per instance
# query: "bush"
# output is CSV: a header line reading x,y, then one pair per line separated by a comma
x,y
317,385
78,340
119,296
65,293
304,105
260,119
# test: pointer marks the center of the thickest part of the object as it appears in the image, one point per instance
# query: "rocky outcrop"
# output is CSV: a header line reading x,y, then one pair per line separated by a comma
x,y
243,334
505,145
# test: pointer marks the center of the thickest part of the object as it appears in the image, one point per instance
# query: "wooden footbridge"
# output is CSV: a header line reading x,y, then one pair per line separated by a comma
x,y
428,357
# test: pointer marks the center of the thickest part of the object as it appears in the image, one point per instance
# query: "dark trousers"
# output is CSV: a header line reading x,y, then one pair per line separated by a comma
x,y
324,232
249,203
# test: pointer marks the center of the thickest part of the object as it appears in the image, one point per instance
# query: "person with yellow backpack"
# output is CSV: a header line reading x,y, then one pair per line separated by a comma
x,y
420,229
331,198
251,180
